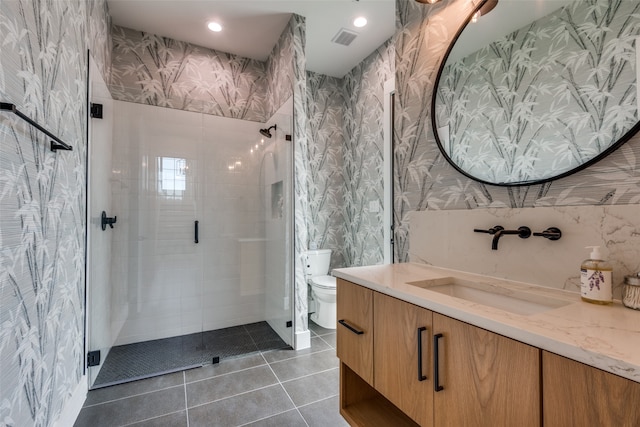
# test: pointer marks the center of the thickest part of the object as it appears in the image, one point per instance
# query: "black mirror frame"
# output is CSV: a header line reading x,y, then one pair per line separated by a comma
x,y
613,147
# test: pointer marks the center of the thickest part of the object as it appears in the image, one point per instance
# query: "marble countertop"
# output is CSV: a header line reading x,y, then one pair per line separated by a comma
x,y
603,336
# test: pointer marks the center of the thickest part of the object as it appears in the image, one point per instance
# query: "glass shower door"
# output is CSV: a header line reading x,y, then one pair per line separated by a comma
x,y
277,190
157,265
99,241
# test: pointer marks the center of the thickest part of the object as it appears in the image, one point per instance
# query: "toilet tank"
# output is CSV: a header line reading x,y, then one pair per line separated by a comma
x,y
318,262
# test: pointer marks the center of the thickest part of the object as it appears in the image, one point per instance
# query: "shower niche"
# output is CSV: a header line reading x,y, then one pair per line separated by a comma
x,y
277,200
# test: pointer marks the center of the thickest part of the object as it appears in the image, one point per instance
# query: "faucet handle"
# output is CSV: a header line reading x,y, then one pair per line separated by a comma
x,y
492,230
551,233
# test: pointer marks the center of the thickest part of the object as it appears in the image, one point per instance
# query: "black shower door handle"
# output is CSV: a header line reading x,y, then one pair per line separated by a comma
x,y
196,231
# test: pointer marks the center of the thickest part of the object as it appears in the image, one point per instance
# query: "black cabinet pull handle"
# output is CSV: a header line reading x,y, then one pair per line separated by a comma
x,y
196,231
351,328
421,377
436,367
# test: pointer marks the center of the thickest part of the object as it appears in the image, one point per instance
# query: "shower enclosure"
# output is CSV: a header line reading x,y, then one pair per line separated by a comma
x,y
200,266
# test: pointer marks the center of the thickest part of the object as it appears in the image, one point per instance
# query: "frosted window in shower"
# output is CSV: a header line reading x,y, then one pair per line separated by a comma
x,y
172,173
277,200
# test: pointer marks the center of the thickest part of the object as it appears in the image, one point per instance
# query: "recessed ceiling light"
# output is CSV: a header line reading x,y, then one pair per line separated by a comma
x,y
214,26
361,21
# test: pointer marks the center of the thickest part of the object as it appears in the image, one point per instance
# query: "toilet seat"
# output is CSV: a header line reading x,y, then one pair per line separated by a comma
x,y
324,282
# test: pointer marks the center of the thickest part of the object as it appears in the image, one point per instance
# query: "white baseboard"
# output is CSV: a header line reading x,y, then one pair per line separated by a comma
x,y
73,406
303,340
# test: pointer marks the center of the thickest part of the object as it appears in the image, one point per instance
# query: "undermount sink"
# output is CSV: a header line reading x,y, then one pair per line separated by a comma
x,y
511,300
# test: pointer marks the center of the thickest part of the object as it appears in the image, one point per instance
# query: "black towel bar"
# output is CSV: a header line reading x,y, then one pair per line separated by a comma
x,y
56,144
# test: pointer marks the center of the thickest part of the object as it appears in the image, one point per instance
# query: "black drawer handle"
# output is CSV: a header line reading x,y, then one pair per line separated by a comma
x,y
195,231
351,328
421,377
436,368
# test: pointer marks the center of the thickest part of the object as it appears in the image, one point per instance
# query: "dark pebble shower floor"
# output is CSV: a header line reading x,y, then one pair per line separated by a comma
x,y
136,361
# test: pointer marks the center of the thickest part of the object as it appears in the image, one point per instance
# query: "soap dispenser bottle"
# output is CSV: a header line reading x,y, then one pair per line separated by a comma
x,y
595,278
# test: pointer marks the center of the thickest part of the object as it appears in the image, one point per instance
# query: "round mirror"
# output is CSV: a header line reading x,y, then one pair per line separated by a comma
x,y
535,90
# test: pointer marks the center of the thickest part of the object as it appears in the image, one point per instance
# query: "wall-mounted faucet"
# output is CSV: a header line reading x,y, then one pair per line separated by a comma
x,y
522,232
551,233
498,231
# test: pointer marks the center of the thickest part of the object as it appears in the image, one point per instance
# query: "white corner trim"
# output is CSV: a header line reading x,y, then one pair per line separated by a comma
x,y
73,406
638,72
302,340
389,88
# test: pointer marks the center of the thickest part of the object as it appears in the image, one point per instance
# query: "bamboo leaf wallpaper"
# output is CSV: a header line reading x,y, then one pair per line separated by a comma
x,y
155,70
326,136
345,160
362,152
42,202
422,177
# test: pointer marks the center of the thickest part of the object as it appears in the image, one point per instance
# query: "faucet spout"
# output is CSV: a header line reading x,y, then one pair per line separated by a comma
x,y
522,232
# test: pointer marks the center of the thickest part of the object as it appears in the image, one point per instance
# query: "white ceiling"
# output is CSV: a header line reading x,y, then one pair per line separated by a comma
x,y
251,28
508,16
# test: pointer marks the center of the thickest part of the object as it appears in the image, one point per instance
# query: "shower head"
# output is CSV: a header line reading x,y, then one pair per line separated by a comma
x,y
265,132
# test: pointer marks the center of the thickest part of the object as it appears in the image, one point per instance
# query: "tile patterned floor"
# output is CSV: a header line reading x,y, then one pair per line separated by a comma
x,y
272,388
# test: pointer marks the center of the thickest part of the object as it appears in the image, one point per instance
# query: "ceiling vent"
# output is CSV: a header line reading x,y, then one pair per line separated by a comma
x,y
344,37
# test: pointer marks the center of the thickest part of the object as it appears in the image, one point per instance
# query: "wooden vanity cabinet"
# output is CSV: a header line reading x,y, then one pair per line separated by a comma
x,y
576,394
486,379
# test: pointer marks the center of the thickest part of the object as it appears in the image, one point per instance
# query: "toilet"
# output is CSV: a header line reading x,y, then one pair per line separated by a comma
x,y
323,288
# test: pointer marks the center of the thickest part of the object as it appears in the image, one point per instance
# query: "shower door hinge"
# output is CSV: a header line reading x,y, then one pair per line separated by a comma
x,y
96,111
93,358
289,323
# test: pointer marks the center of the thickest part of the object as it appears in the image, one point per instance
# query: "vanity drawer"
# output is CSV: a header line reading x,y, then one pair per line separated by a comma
x,y
355,328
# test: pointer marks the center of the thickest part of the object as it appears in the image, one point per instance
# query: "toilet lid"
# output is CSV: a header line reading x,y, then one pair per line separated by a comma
x,y
324,282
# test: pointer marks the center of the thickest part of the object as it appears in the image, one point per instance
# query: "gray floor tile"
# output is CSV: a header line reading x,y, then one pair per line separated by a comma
x,y
319,330
305,365
130,389
241,409
224,367
224,386
324,413
317,344
314,387
286,419
330,339
133,409
178,419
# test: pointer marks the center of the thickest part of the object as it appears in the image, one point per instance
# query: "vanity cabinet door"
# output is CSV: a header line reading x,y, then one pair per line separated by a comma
x,y
355,328
486,379
402,333
579,395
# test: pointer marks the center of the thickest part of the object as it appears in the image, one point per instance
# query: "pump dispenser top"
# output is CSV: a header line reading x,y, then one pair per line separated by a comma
x,y
595,253
596,278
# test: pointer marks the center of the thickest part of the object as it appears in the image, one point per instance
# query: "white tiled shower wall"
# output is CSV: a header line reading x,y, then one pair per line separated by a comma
x,y
173,285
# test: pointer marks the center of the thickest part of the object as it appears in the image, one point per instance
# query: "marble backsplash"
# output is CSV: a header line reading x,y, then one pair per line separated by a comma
x,y
446,239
